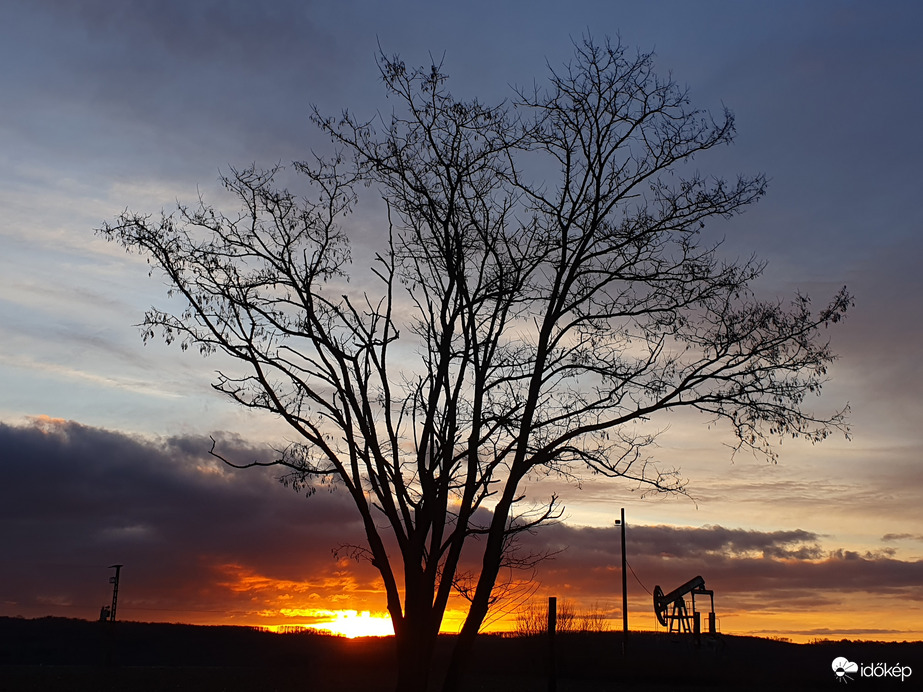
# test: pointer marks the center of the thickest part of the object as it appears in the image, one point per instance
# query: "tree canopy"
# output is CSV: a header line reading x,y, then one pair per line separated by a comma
x,y
542,290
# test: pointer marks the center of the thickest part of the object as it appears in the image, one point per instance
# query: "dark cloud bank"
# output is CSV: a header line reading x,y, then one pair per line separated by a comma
x,y
76,499
199,540
751,570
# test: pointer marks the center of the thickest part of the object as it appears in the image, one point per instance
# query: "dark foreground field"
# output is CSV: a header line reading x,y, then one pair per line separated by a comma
x,y
52,654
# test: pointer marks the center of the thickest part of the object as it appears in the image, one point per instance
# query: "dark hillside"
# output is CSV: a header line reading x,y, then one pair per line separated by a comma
x,y
61,654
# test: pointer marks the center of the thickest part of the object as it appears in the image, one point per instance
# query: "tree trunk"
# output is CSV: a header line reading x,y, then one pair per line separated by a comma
x,y
414,661
416,637
480,604
461,653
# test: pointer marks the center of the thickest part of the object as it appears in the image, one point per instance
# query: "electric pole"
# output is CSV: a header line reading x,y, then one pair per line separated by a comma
x,y
621,523
115,590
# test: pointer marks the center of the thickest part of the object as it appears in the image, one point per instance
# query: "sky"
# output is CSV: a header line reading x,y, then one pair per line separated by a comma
x,y
110,106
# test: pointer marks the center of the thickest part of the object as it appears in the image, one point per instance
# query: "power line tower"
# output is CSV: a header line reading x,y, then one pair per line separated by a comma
x,y
107,613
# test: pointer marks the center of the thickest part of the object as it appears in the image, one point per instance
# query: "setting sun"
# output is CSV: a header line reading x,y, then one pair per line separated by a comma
x,y
351,624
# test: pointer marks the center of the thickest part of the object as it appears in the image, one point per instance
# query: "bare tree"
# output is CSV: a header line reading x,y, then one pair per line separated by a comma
x,y
594,619
544,292
532,618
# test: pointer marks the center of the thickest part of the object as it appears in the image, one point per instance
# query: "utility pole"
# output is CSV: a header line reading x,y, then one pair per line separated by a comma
x,y
621,522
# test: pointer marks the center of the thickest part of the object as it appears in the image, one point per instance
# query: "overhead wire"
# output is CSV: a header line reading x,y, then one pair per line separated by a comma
x,y
632,570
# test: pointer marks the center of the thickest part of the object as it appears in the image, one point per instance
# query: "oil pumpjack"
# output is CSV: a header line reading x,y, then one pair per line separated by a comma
x,y
679,619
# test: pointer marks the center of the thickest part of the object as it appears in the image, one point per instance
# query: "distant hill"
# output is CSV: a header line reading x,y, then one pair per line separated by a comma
x,y
51,654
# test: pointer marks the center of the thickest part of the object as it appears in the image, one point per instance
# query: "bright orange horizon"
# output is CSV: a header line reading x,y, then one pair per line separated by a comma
x,y
356,612
352,623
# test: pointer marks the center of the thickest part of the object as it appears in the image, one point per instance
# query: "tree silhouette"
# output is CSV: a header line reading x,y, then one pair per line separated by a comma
x,y
542,292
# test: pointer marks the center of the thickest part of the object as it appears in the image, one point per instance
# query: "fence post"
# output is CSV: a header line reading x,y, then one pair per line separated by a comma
x,y
552,626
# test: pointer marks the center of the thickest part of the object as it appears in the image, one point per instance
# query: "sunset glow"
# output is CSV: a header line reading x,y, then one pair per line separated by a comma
x,y
352,624
342,623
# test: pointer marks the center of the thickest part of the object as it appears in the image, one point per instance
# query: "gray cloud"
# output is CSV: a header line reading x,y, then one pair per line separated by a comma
x,y
672,542
75,499
902,537
752,570
175,85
